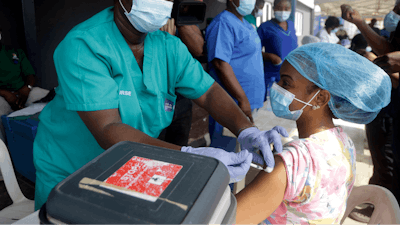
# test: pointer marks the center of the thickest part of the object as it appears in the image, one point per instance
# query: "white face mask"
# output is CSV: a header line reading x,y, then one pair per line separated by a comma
x,y
391,20
246,7
282,15
149,15
258,13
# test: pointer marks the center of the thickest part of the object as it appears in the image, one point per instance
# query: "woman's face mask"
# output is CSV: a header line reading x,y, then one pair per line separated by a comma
x,y
391,21
150,15
282,16
281,99
259,12
246,7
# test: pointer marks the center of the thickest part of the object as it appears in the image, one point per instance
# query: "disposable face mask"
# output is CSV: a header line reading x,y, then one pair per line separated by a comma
x,y
391,20
335,30
282,15
246,7
258,13
281,99
149,15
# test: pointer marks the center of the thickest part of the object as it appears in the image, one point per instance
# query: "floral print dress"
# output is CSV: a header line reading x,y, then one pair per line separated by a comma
x,y
320,171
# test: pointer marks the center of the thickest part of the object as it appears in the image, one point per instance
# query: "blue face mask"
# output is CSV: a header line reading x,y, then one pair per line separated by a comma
x,y
335,30
391,21
150,15
282,16
280,100
246,7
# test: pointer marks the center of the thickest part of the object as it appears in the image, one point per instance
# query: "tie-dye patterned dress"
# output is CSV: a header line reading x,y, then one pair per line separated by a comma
x,y
321,171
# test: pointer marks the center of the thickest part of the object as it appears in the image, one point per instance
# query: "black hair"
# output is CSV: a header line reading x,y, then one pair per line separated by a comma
x,y
358,42
332,22
276,2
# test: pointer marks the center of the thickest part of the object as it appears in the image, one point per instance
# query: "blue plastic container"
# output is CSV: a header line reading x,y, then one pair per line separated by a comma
x,y
20,133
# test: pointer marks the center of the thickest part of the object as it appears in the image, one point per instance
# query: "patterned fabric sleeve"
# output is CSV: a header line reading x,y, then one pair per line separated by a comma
x,y
297,162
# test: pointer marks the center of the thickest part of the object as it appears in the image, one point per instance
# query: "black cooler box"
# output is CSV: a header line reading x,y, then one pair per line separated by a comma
x,y
137,183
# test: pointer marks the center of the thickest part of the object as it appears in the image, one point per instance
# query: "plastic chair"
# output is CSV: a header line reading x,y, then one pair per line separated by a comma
x,y
386,207
21,206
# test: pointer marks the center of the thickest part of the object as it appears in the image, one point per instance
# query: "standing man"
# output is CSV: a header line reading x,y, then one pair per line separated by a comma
x,y
235,59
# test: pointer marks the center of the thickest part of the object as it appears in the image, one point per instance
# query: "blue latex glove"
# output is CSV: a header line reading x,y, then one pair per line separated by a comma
x,y
253,139
238,164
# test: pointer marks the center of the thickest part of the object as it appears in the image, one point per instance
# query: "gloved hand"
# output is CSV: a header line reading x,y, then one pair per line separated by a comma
x,y
238,164
253,139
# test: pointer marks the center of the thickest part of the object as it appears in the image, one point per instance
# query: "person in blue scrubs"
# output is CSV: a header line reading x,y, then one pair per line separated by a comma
x,y
118,79
278,37
235,61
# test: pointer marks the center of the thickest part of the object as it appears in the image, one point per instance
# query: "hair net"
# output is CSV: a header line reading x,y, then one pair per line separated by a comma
x,y
310,39
359,89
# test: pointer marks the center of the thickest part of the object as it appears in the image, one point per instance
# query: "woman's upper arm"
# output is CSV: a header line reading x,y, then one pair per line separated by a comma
x,y
263,195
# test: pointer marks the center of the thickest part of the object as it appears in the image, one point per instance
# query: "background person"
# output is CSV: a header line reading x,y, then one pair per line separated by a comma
x,y
257,12
17,81
308,39
235,60
328,33
383,134
118,82
315,174
278,37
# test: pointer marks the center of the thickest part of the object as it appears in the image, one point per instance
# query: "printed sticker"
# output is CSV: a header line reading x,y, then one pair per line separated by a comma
x,y
169,105
146,178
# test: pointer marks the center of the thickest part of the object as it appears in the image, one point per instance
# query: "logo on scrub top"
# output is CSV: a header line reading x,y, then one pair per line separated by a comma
x,y
127,93
169,105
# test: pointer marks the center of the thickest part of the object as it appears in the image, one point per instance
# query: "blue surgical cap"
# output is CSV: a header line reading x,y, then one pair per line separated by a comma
x,y
359,89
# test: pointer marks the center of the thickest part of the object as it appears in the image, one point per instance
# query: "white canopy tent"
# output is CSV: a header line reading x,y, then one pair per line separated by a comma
x,y
367,8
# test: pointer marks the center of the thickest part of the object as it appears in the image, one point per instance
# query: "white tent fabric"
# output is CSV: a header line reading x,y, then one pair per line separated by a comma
x,y
367,8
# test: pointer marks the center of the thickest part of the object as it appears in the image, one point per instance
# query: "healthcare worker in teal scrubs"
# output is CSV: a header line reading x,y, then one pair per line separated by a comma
x,y
118,77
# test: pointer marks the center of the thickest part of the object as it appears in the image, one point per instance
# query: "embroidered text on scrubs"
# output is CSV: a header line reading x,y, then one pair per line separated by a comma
x,y
128,93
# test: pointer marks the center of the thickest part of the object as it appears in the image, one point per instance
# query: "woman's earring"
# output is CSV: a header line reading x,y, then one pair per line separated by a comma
x,y
315,107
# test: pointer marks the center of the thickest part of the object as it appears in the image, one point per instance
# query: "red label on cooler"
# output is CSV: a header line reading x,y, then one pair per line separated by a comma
x,y
146,177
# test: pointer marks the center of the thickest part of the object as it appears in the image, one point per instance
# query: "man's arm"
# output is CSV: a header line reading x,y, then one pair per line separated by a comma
x,y
232,85
108,129
378,43
262,196
223,109
191,36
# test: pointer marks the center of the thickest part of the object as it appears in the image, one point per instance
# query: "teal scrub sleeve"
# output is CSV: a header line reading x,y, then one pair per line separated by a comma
x,y
220,42
26,67
84,74
192,81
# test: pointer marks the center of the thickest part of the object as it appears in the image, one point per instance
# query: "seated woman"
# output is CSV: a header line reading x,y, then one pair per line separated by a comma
x,y
313,176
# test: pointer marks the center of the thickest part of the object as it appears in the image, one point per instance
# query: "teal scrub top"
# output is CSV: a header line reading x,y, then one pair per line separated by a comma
x,y
96,71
